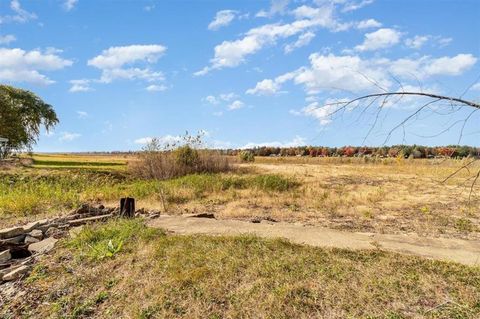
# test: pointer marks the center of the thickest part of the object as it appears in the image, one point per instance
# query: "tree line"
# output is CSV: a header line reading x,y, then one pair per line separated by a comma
x,y
406,151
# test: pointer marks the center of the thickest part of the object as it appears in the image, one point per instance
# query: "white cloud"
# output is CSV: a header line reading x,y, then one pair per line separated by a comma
x,y
19,14
116,57
303,40
442,42
265,87
215,100
163,140
211,99
323,113
296,141
450,65
113,60
370,23
380,39
476,86
82,114
7,39
143,140
68,137
82,85
222,19
353,74
233,53
355,5
156,88
235,105
69,4
17,65
276,7
417,41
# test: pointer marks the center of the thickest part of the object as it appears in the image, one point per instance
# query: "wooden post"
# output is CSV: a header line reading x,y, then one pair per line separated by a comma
x,y
127,207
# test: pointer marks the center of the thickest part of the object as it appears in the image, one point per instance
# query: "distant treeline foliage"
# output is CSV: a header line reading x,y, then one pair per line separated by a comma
x,y
406,151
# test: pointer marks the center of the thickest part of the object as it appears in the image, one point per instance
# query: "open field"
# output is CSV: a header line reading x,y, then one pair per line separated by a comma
x,y
122,269
154,275
384,196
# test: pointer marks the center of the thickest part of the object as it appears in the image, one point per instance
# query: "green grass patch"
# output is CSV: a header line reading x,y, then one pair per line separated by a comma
x,y
101,241
52,163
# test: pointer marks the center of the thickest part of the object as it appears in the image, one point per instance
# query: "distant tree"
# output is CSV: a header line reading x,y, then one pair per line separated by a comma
x,y
22,114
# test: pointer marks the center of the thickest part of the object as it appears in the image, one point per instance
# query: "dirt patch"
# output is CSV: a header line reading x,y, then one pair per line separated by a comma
x,y
457,250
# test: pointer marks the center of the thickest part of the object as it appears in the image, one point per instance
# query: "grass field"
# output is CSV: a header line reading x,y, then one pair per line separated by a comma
x,y
122,269
149,274
386,195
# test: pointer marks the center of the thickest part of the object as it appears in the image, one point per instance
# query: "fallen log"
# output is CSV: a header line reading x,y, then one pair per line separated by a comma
x,y
83,221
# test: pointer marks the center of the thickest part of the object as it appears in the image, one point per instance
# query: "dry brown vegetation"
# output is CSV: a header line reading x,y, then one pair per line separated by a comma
x,y
387,196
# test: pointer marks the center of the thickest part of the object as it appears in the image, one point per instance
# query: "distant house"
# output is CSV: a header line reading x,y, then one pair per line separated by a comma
x,y
3,147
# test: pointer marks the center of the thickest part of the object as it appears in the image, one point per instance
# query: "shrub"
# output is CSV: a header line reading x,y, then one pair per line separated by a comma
x,y
246,156
185,157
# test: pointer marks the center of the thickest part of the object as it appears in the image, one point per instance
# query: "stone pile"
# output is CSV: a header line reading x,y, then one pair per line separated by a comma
x,y
21,245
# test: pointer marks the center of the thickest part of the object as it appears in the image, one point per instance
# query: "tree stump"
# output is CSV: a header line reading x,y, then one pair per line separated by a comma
x,y
127,207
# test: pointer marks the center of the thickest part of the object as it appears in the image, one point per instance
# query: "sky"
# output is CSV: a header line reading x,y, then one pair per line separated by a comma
x,y
244,73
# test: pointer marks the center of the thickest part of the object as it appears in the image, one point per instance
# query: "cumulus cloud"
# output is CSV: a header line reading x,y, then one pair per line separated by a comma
x,y
17,65
113,61
19,15
163,140
417,41
351,73
7,39
303,40
69,4
68,137
232,53
82,85
355,5
235,105
222,19
276,7
215,100
367,24
116,57
476,87
380,39
156,88
296,141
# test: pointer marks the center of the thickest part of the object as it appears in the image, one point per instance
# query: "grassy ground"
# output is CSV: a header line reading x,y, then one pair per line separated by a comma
x,y
124,270
387,195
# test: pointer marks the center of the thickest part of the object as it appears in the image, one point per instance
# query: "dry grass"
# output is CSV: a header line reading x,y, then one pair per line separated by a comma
x,y
386,195
155,275
181,161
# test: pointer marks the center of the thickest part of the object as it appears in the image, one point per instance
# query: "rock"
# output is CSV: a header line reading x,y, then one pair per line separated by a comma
x,y
30,226
36,233
14,240
5,256
54,232
17,273
11,232
43,246
31,240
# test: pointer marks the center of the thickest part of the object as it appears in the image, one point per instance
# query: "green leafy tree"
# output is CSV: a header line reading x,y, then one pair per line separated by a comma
x,y
22,114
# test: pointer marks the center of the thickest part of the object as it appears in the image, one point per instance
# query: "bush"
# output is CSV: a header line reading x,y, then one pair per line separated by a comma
x,y
159,161
246,156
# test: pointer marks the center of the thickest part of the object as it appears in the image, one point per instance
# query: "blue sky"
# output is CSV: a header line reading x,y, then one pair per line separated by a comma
x,y
245,72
